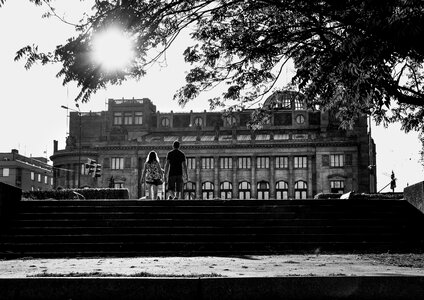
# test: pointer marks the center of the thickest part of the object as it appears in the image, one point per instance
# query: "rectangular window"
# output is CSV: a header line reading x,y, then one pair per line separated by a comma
x,y
281,162
191,163
128,118
32,176
117,118
226,162
138,118
337,186
45,179
244,194
117,163
6,172
336,160
207,163
244,163
39,177
51,181
262,162
300,162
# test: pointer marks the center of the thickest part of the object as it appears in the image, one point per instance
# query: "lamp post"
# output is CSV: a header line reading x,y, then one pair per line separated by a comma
x,y
79,142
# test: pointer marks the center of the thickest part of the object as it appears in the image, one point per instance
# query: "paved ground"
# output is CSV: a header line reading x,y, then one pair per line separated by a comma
x,y
247,266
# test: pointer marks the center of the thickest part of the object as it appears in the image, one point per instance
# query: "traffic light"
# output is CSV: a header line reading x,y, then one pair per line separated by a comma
x,y
98,171
90,166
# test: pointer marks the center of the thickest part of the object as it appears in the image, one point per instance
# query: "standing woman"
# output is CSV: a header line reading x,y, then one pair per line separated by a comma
x,y
152,174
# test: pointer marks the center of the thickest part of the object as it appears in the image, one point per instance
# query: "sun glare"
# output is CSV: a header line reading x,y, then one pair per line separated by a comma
x,y
113,49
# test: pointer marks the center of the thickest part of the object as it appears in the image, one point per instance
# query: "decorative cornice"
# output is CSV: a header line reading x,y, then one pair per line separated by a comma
x,y
249,145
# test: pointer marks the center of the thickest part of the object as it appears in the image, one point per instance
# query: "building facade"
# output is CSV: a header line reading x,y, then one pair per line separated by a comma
x,y
296,155
26,173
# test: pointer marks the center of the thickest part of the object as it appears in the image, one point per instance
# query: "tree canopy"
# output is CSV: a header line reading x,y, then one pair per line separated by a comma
x,y
353,56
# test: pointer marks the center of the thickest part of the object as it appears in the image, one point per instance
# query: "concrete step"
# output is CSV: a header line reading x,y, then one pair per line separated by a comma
x,y
206,237
378,228
212,205
197,221
131,226
202,248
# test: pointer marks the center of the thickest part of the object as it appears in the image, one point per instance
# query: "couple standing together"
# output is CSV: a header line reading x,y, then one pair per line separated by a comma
x,y
175,167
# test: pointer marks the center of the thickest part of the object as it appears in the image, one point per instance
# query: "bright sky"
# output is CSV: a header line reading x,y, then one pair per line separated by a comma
x,y
31,116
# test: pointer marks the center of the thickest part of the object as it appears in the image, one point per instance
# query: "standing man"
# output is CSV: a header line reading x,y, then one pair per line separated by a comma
x,y
176,165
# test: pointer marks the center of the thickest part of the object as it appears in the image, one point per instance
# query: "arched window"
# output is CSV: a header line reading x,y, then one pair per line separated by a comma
x,y
263,190
207,190
164,122
281,190
226,190
300,190
189,190
244,190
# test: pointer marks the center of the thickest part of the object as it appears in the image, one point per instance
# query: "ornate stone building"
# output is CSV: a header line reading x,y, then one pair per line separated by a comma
x,y
298,154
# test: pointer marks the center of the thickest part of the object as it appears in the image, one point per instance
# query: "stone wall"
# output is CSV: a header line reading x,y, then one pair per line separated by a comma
x,y
414,194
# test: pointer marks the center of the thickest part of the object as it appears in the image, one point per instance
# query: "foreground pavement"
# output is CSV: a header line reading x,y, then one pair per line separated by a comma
x,y
208,266
289,277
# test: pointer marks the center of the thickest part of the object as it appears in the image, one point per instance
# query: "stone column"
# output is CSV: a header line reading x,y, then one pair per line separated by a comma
x,y
140,189
198,178
313,170
216,176
291,177
310,176
235,178
253,178
67,176
272,177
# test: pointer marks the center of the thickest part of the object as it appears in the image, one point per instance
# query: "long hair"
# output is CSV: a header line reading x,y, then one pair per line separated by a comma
x,y
152,157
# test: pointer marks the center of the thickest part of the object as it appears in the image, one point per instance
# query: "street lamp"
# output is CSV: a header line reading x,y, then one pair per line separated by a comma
x,y
79,143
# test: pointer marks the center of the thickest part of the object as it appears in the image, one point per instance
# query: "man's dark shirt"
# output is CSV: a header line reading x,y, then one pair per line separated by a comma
x,y
176,158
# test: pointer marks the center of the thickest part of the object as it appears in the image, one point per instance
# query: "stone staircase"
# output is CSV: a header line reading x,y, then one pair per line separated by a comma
x,y
74,228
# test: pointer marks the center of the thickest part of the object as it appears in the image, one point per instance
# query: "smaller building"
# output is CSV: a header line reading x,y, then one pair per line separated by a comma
x,y
26,173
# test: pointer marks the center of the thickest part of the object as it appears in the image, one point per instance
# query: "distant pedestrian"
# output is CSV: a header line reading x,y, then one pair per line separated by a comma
x,y
152,175
175,167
